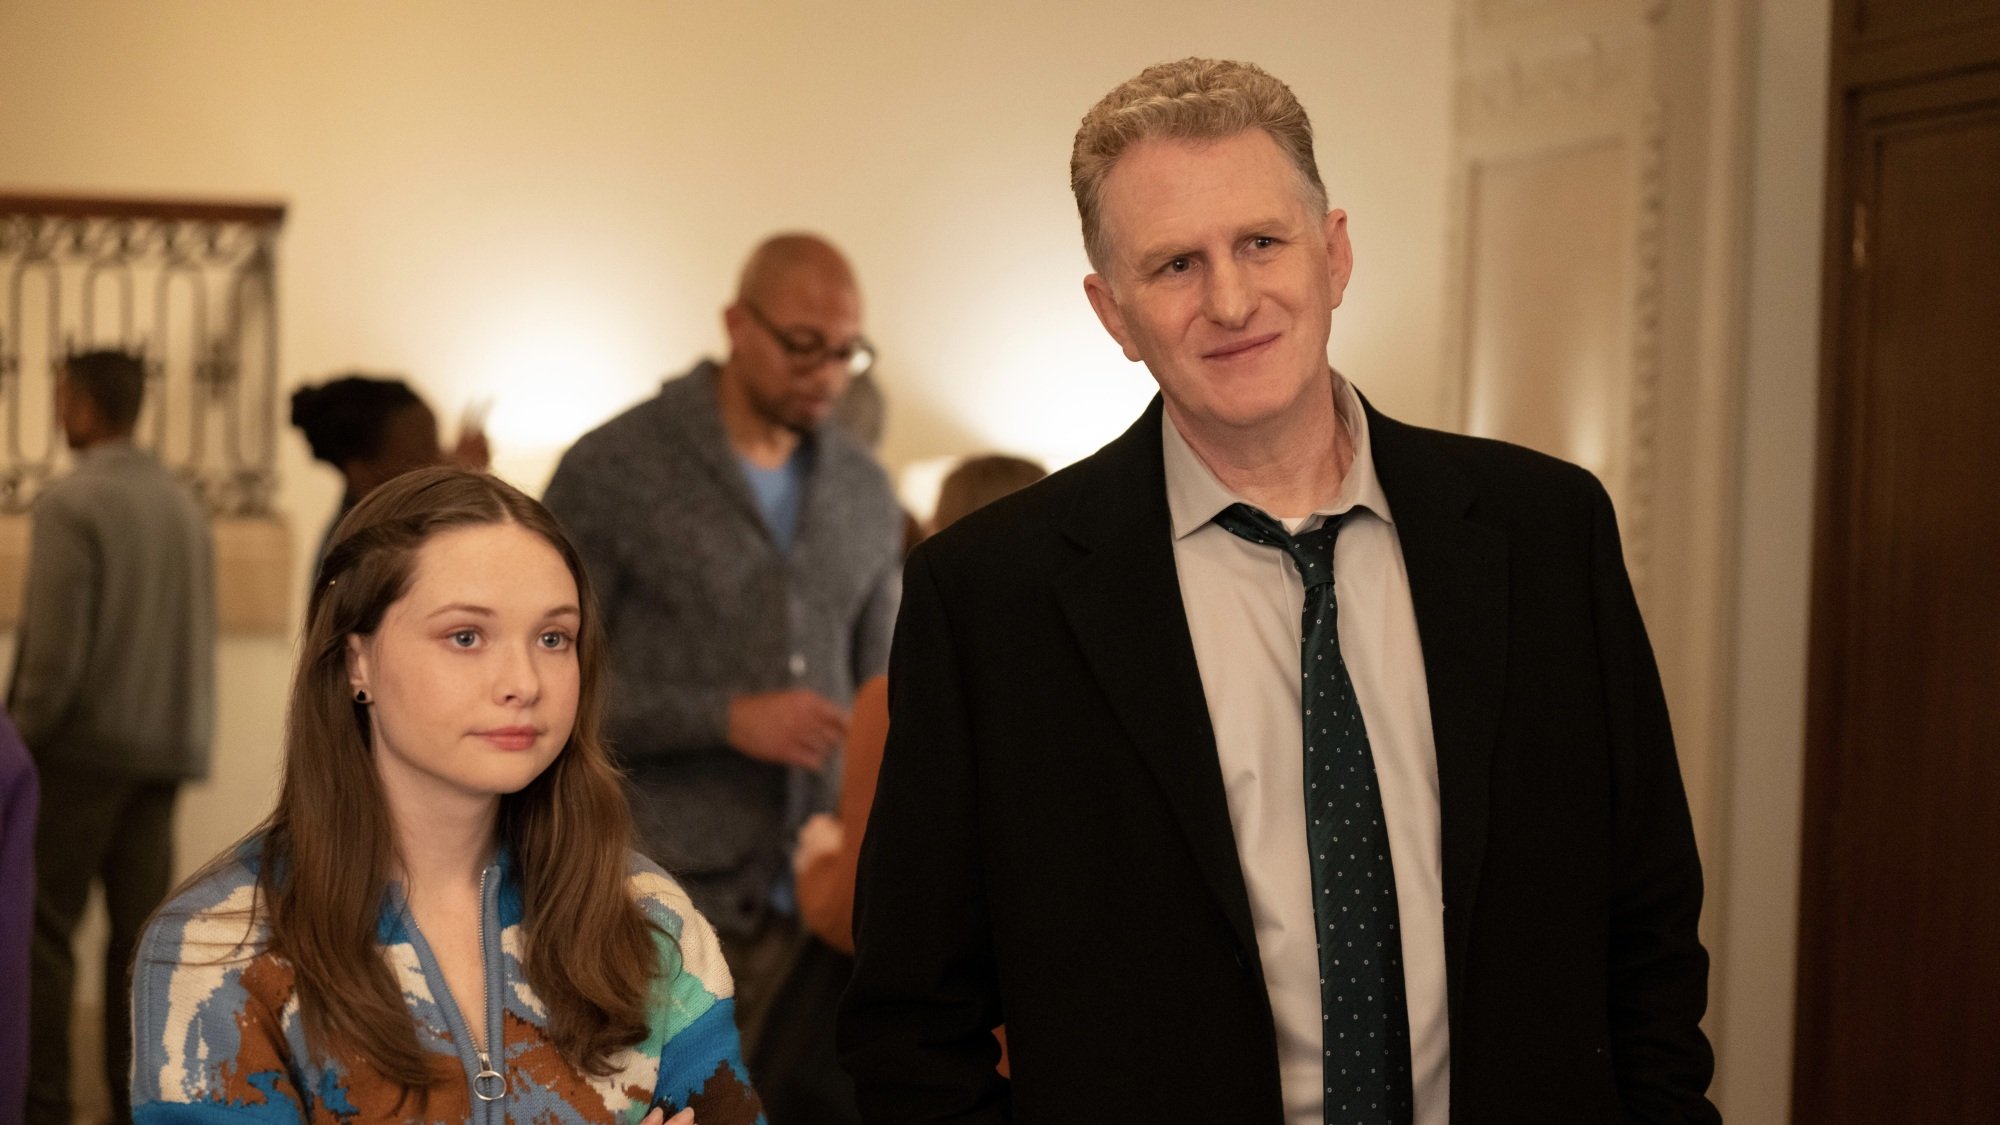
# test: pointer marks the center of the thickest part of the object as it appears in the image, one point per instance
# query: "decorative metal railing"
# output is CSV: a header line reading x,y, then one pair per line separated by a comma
x,y
191,287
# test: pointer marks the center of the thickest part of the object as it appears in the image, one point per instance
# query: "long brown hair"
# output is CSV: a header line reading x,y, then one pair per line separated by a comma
x,y
329,848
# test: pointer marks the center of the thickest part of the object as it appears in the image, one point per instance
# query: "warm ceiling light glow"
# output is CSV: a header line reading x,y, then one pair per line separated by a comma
x,y
1034,374
551,372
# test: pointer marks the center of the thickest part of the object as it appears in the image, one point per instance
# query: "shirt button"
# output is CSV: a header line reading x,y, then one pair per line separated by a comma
x,y
798,664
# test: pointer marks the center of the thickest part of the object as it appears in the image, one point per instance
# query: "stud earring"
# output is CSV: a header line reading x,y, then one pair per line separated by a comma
x,y
361,696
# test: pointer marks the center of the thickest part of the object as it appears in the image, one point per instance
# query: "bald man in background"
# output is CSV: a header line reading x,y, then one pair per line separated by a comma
x,y
746,558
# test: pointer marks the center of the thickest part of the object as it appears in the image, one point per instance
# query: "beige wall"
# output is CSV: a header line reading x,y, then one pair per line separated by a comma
x,y
546,203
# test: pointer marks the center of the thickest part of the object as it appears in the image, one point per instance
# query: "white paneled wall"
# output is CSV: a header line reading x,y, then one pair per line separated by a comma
x,y
1634,278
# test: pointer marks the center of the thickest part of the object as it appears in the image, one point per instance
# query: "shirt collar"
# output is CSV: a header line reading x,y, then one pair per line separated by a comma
x,y
1194,496
110,457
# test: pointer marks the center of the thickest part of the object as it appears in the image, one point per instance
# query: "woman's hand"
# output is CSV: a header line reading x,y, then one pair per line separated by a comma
x,y
659,1117
472,451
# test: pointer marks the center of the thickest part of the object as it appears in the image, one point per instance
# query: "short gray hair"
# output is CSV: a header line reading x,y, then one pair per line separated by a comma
x,y
1193,99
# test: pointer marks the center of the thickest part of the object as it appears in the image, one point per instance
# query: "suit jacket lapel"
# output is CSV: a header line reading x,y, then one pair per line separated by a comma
x,y
1458,582
1123,601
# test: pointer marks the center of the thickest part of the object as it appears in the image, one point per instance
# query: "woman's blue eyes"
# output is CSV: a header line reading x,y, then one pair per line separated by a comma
x,y
554,640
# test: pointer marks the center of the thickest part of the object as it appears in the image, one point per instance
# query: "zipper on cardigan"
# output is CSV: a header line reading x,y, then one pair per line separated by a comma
x,y
488,1085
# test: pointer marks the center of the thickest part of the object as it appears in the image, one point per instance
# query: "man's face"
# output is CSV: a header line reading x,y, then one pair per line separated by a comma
x,y
1221,278
806,307
409,441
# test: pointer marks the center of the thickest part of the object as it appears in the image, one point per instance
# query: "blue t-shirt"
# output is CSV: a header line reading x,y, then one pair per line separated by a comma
x,y
780,492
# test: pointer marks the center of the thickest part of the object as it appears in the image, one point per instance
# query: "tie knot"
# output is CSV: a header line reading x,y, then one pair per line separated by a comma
x,y
1311,551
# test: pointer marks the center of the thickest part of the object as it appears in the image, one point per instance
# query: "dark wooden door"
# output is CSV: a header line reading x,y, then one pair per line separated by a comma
x,y
1899,955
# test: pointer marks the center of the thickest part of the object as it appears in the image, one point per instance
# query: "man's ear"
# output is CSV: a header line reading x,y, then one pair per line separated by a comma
x,y
76,411
1339,253
1105,305
358,671
735,322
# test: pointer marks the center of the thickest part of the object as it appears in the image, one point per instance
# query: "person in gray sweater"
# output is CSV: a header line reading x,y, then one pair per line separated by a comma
x,y
748,561
114,693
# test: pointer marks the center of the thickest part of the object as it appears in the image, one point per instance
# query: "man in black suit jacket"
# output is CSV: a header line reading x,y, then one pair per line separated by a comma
x,y
1090,823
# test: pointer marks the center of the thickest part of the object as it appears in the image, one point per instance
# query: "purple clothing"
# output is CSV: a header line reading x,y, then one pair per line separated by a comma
x,y
19,797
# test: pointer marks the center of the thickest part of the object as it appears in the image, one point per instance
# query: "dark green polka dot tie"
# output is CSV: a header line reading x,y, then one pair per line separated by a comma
x,y
1365,1027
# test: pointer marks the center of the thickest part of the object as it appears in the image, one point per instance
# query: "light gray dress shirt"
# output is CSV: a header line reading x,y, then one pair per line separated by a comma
x,y
1243,606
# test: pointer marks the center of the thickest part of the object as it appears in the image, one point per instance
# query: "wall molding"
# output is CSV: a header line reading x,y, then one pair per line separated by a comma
x,y
1544,100
1537,82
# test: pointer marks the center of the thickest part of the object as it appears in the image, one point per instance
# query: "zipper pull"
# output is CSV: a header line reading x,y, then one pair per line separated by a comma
x,y
488,1085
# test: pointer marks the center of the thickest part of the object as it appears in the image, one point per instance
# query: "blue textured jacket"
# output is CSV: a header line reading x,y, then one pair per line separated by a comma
x,y
217,1035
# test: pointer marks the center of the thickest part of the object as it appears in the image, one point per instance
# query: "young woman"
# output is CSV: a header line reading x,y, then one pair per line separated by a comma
x,y
442,920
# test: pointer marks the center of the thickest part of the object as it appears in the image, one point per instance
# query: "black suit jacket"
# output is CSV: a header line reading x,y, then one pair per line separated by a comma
x,y
1050,844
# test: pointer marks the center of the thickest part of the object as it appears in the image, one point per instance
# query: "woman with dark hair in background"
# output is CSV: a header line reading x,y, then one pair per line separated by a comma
x,y
374,430
442,919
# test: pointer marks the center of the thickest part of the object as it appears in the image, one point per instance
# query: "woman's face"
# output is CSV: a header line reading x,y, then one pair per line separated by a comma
x,y
473,674
409,441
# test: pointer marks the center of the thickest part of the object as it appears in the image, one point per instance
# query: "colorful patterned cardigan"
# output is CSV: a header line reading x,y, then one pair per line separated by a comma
x,y
217,1035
